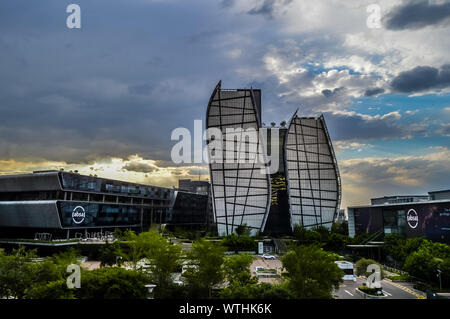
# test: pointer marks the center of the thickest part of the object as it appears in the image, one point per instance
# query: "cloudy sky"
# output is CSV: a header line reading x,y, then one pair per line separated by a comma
x,y
105,98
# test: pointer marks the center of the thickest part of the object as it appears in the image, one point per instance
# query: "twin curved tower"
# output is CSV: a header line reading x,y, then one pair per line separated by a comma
x,y
304,190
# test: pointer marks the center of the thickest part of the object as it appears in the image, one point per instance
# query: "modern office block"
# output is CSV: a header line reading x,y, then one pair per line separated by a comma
x,y
312,173
68,205
241,191
305,190
407,216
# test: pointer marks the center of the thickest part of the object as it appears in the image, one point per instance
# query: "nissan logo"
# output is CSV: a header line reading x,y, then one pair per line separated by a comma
x,y
412,218
78,215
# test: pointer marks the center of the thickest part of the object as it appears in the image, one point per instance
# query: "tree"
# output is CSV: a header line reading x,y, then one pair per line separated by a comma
x,y
109,254
237,269
324,233
234,242
336,242
361,267
51,290
204,267
243,230
256,291
400,248
340,228
163,258
17,272
22,277
311,272
306,237
112,283
425,262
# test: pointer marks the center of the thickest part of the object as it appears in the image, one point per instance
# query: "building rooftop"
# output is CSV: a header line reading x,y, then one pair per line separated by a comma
x,y
402,204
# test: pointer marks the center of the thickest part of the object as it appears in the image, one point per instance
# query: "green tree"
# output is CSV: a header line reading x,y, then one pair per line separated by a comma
x,y
112,283
236,243
163,258
237,269
256,291
21,276
109,254
361,267
340,228
17,272
400,248
307,237
311,272
425,262
50,290
243,230
324,233
204,267
336,242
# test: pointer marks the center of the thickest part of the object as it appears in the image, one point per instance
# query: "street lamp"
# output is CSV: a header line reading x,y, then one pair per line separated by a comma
x,y
440,280
150,290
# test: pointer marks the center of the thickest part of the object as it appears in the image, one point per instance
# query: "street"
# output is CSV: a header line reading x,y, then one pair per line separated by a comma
x,y
391,289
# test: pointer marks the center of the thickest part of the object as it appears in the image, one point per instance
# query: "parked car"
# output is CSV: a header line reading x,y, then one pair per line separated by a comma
x,y
268,257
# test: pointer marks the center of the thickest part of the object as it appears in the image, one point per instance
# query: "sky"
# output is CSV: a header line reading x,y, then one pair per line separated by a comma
x,y
104,99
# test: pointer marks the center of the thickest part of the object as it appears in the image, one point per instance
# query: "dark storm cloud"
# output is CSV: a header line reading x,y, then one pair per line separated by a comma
x,y
331,93
139,167
354,126
267,8
198,171
422,78
417,14
104,90
373,91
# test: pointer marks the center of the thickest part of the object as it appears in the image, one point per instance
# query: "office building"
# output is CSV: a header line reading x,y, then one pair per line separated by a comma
x,y
66,205
303,190
408,216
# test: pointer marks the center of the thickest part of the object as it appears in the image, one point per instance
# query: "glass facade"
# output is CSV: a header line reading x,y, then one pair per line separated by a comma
x,y
98,215
394,222
305,189
432,220
189,211
312,174
78,182
241,191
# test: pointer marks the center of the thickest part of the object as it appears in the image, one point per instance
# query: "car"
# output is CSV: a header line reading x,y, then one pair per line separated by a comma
x,y
268,257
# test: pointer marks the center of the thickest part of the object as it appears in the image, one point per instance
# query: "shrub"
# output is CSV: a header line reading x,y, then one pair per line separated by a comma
x,y
361,267
236,243
369,291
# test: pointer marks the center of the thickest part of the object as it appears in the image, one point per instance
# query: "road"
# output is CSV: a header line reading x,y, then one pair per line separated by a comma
x,y
392,290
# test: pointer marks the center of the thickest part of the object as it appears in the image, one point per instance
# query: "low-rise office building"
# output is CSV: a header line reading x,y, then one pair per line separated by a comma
x,y
408,216
67,205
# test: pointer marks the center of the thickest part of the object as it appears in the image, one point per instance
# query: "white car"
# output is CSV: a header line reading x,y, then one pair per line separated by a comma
x,y
267,256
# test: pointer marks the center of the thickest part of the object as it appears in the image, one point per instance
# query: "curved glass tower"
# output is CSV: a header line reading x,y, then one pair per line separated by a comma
x,y
303,190
240,188
312,174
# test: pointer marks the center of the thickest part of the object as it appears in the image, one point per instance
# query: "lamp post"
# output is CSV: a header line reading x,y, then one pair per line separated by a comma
x,y
440,279
150,290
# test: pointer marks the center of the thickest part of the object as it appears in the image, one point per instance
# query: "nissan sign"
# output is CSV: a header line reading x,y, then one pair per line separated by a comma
x,y
412,218
78,215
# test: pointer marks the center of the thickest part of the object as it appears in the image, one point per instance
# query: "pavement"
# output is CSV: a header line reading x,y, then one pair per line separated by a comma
x,y
268,264
392,290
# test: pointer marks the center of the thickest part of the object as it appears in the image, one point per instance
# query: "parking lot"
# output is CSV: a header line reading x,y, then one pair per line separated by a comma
x,y
267,264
